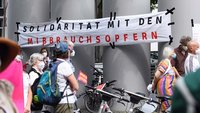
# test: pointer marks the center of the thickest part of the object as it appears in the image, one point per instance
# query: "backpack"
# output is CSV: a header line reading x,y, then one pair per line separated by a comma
x,y
35,105
47,90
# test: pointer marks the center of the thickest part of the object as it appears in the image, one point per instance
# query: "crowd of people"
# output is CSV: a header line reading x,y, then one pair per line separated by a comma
x,y
38,63
179,66
177,75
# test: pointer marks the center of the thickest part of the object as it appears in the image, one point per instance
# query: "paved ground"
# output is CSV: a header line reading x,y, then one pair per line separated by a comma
x,y
85,111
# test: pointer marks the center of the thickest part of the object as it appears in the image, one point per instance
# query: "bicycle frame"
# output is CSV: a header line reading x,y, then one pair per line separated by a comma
x,y
104,106
98,77
135,99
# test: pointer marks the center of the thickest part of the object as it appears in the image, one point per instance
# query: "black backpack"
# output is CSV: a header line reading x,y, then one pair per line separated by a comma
x,y
35,105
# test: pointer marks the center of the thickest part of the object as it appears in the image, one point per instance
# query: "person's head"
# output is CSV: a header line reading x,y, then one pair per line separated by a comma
x,y
44,52
71,48
6,87
62,50
193,47
8,51
168,52
37,61
184,41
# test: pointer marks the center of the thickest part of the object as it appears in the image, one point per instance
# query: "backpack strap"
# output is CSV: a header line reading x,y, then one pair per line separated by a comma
x,y
191,102
32,69
67,95
168,68
57,62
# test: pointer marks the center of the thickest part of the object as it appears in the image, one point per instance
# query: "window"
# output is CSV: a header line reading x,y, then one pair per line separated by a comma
x,y
1,22
1,7
1,3
1,31
1,11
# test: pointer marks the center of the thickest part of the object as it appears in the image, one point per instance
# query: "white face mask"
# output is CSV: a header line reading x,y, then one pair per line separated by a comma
x,y
72,53
44,54
41,65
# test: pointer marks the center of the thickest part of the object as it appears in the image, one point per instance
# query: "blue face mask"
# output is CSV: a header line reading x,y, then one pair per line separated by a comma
x,y
173,56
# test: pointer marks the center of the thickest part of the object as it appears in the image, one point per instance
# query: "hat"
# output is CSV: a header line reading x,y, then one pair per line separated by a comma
x,y
62,47
8,51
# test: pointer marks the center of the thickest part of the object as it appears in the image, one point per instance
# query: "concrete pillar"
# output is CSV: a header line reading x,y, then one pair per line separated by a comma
x,y
76,10
129,65
183,13
35,11
30,11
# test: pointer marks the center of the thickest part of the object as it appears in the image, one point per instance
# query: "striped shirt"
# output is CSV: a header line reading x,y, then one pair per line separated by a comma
x,y
165,83
191,63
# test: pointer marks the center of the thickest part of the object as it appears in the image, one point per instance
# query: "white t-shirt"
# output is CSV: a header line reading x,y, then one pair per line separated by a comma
x,y
33,76
70,63
26,83
191,63
64,70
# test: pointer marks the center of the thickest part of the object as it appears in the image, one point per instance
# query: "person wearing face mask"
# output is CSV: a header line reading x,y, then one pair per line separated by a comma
x,y
192,60
71,54
37,64
165,77
47,60
181,54
66,79
186,92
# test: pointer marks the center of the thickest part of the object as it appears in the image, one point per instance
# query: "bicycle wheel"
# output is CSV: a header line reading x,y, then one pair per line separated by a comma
x,y
92,102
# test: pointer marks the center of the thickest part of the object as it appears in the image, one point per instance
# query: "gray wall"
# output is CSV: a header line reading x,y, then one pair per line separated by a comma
x,y
37,11
184,12
76,10
129,65
33,11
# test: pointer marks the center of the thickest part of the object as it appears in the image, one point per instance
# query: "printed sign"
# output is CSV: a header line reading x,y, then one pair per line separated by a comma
x,y
123,30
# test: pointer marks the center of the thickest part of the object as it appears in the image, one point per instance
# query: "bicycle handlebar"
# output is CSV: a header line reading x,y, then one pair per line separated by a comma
x,y
107,93
122,90
99,72
163,97
110,83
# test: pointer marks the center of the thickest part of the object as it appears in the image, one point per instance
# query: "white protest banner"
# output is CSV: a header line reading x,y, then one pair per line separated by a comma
x,y
196,32
124,30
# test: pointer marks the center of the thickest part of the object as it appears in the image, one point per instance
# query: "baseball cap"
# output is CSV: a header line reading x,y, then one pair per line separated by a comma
x,y
62,47
8,51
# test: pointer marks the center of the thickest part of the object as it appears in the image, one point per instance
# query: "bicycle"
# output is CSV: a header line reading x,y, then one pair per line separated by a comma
x,y
150,105
106,96
98,77
93,99
91,103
